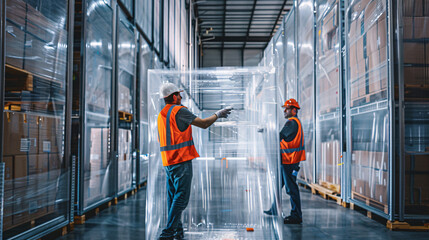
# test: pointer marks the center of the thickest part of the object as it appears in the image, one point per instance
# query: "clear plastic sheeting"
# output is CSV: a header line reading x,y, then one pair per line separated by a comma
x,y
37,177
126,55
415,68
369,136
236,176
145,63
95,159
290,56
327,95
129,5
305,94
143,16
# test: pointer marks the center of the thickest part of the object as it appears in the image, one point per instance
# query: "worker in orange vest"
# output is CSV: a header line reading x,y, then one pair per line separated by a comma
x,y
177,151
292,153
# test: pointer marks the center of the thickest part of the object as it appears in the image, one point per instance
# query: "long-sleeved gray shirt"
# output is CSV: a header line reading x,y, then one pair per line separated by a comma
x,y
289,131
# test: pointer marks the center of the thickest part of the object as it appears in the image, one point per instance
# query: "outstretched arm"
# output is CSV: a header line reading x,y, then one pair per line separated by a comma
x,y
204,123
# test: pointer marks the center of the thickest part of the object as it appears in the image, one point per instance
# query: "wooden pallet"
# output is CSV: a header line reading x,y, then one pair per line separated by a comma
x,y
80,219
398,226
124,116
44,107
325,193
368,98
370,202
142,185
124,196
334,187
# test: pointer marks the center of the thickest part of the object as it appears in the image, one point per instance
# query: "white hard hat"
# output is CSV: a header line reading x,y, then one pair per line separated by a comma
x,y
167,89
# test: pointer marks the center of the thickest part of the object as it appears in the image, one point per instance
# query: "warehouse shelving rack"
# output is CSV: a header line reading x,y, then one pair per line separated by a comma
x,y
39,106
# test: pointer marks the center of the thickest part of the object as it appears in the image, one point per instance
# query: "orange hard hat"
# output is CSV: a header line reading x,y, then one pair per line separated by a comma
x,y
291,103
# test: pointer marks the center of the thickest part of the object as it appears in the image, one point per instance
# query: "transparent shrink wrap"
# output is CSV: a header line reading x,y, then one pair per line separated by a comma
x,y
96,168
125,159
31,187
330,169
229,170
125,99
34,42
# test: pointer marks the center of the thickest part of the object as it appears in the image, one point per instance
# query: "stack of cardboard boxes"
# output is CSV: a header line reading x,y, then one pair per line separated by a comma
x,y
416,43
367,53
124,160
328,61
370,175
34,42
125,99
96,170
33,157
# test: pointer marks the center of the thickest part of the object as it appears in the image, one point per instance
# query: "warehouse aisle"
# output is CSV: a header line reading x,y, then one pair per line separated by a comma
x,y
322,220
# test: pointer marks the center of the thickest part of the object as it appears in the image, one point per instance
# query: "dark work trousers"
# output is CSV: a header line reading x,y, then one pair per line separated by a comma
x,y
289,175
179,178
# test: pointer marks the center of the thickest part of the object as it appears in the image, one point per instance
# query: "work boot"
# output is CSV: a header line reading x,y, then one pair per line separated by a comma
x,y
292,220
179,234
270,212
166,238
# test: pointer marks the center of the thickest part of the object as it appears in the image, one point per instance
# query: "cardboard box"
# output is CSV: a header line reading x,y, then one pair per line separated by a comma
x,y
421,27
382,31
354,32
330,22
372,40
360,51
408,27
373,60
50,135
41,27
370,15
21,132
353,62
381,193
360,6
39,59
8,173
8,209
414,53
20,171
374,81
362,87
354,89
14,46
412,8
359,186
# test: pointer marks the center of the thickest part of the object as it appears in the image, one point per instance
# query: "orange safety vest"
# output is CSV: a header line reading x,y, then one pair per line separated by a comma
x,y
176,146
293,151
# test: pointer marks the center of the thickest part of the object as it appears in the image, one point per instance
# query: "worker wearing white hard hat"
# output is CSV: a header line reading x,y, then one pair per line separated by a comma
x,y
177,152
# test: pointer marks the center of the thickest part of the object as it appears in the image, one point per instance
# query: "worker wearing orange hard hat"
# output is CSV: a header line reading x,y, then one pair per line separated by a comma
x,y
292,153
177,152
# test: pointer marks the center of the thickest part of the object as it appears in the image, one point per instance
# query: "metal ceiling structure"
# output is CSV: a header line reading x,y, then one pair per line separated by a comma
x,y
239,24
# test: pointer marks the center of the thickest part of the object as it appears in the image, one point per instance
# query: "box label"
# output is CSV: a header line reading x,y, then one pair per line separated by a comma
x,y
47,146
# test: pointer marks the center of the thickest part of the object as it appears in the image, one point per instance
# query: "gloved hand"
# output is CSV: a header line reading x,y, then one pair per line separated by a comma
x,y
223,113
